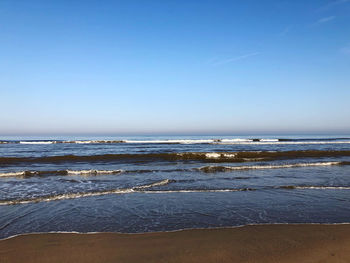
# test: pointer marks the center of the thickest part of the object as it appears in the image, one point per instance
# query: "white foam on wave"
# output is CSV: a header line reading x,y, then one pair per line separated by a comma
x,y
256,167
140,189
212,155
171,141
37,142
197,191
86,194
12,174
71,142
229,155
60,172
234,140
79,142
263,141
209,155
160,183
272,142
269,140
93,141
219,155
92,172
323,187
65,196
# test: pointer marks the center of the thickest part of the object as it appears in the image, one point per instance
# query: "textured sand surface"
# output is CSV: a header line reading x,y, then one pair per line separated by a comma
x,y
264,243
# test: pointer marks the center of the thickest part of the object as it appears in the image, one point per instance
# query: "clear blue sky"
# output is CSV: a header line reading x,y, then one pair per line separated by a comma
x,y
174,66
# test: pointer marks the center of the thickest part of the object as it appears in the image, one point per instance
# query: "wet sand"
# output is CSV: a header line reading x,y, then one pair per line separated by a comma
x,y
263,243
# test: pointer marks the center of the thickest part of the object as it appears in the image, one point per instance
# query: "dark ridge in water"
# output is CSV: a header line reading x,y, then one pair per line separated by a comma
x,y
28,174
116,157
268,155
206,169
201,157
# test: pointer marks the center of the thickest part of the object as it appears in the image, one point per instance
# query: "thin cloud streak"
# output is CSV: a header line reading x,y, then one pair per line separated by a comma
x,y
226,61
323,20
333,4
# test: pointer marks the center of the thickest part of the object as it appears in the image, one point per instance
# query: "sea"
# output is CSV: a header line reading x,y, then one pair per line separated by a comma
x,y
136,184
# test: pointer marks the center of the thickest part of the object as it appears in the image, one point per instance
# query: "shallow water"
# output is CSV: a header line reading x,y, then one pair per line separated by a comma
x,y
140,184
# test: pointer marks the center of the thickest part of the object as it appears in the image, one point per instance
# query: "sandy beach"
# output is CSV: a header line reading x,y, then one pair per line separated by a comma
x,y
260,243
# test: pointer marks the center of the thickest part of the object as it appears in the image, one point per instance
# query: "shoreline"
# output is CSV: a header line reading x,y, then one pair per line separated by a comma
x,y
249,243
169,231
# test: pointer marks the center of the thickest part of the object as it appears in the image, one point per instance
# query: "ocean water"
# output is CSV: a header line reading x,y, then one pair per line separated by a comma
x,y
143,184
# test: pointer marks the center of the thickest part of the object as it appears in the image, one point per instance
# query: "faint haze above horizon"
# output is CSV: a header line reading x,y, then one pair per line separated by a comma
x,y
174,67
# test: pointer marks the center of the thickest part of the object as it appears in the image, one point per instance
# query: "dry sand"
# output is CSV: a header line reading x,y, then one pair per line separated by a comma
x,y
264,243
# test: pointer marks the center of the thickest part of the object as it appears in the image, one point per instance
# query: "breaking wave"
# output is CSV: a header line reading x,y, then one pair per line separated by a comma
x,y
206,169
194,141
145,189
213,169
188,156
77,142
85,194
197,191
37,142
58,172
316,187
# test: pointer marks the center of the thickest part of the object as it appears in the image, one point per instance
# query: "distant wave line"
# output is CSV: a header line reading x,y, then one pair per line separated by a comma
x,y
193,141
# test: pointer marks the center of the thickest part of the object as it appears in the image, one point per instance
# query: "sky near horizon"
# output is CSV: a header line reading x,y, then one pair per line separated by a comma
x,y
174,66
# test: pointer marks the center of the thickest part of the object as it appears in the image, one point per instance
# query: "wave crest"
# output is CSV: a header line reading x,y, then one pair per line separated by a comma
x,y
85,194
58,172
141,189
213,169
195,141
